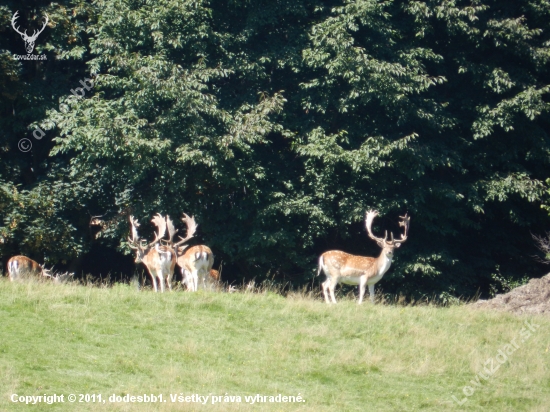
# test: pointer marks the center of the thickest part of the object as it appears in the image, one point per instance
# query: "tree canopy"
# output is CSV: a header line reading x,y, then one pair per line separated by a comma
x,y
278,124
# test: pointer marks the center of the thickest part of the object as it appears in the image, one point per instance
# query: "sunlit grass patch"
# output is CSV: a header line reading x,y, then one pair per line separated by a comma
x,y
119,340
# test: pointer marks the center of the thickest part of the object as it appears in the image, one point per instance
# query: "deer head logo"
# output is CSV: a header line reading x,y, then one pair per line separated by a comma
x,y
29,40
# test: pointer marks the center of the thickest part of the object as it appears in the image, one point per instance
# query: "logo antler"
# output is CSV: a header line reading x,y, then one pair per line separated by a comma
x,y
29,40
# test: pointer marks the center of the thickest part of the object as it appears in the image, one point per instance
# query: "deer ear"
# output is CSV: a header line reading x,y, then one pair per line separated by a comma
x,y
398,245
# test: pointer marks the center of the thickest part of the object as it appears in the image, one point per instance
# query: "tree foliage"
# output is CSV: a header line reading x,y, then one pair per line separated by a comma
x,y
278,123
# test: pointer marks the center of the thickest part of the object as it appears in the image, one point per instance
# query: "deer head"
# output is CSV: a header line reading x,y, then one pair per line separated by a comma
x,y
387,245
138,245
29,40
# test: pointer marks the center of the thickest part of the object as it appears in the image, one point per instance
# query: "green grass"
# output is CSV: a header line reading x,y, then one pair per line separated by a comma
x,y
67,339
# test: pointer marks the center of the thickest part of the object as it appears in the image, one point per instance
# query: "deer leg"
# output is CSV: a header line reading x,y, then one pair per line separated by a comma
x,y
154,279
371,292
189,280
195,280
13,270
205,280
161,281
325,290
362,287
204,276
184,280
200,279
169,281
332,286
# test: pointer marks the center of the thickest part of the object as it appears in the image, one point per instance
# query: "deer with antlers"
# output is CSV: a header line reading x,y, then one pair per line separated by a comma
x,y
159,260
29,40
341,267
20,267
195,262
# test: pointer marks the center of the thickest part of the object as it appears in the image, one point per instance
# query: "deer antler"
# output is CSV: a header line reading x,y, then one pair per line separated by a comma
x,y
171,230
47,272
371,214
134,240
191,229
405,222
160,222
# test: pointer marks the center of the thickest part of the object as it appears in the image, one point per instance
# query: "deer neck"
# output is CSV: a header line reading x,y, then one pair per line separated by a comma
x,y
383,262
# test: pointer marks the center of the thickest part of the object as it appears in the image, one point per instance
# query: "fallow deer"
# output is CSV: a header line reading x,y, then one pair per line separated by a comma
x,y
196,265
215,275
21,266
342,267
159,260
195,262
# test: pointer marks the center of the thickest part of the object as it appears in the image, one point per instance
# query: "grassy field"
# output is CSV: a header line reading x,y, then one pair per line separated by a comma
x,y
69,339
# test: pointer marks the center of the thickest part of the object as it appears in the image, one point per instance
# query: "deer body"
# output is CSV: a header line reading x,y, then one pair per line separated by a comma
x,y
342,267
196,263
215,276
160,262
22,266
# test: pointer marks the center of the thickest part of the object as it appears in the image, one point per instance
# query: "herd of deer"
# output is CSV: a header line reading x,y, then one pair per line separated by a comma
x,y
161,256
160,260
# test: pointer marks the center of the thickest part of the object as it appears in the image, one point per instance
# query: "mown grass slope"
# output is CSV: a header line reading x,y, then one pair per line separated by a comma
x,y
69,339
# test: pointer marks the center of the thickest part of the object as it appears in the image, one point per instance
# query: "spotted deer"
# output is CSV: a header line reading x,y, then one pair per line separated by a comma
x,y
342,267
160,260
196,261
20,267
